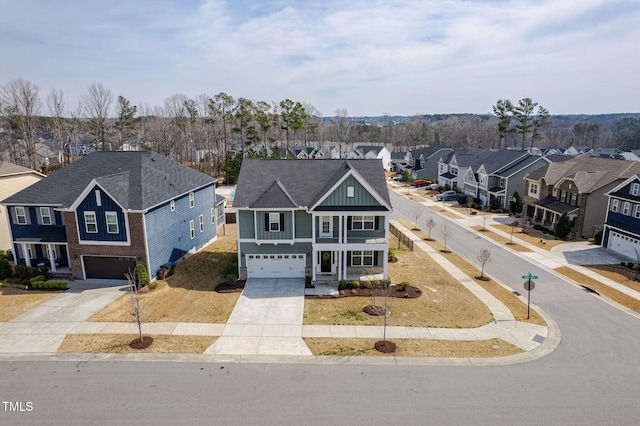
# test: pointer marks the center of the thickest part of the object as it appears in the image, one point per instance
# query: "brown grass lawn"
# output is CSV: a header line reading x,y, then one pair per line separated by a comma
x,y
188,295
412,347
501,239
446,212
603,289
15,302
517,307
531,236
444,301
119,344
618,273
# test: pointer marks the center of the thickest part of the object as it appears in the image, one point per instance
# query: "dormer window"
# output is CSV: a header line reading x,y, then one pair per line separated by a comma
x,y
635,188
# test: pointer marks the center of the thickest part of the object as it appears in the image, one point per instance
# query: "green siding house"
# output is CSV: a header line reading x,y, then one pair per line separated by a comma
x,y
325,219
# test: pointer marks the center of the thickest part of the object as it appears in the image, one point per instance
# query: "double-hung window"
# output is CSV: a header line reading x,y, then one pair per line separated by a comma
x,y
192,200
90,223
636,212
274,222
201,221
362,222
626,207
21,215
635,189
614,206
362,258
192,229
45,215
112,222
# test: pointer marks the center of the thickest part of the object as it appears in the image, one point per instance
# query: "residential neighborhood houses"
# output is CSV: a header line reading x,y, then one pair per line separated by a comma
x,y
98,217
109,211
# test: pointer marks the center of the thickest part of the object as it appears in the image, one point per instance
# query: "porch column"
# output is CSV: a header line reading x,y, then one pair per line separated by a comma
x,y
345,221
314,256
313,228
339,267
385,263
52,258
25,254
344,263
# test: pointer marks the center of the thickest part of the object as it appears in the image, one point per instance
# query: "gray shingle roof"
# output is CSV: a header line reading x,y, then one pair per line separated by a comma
x,y
7,168
273,183
136,180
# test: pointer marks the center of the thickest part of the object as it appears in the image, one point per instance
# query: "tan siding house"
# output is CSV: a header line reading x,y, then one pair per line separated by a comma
x,y
13,179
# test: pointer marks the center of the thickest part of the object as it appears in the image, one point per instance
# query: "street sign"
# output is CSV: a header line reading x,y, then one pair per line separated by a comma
x,y
529,285
529,277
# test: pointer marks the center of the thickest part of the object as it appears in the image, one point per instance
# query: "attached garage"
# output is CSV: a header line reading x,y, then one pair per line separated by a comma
x,y
623,244
275,265
103,267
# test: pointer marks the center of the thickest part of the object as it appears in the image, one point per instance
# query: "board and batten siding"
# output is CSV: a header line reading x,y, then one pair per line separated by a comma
x,y
361,197
90,203
168,232
264,234
297,248
303,224
245,224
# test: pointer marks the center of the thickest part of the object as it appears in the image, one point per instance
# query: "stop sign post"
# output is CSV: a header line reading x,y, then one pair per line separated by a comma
x,y
529,285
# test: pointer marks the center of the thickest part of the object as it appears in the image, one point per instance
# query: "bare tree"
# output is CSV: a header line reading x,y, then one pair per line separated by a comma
x,y
484,256
96,102
446,232
430,225
22,104
136,303
55,102
417,212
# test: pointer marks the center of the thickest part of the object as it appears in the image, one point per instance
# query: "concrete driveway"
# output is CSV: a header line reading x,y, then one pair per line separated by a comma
x,y
42,329
585,253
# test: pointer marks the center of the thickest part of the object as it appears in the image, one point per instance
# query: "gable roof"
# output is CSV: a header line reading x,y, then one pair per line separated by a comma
x,y
8,169
137,180
591,173
428,151
300,183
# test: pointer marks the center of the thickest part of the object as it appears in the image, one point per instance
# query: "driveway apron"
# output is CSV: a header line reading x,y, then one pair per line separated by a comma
x,y
43,328
267,320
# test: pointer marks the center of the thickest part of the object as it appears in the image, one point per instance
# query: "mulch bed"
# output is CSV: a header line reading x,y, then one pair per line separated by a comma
x,y
385,346
394,291
374,310
144,344
237,287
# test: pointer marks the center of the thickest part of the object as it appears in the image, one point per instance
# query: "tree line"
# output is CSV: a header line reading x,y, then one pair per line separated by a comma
x,y
208,131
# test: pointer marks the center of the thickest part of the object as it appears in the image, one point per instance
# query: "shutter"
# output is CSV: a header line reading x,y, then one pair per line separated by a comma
x,y
348,258
376,259
281,222
349,223
266,222
376,224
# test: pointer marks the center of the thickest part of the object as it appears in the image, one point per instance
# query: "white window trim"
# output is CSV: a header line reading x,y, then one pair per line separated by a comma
x,y
94,223
614,206
350,191
201,222
636,213
329,220
533,189
213,216
23,215
98,198
172,205
626,208
363,222
192,229
192,200
635,189
47,215
358,257
272,222
106,218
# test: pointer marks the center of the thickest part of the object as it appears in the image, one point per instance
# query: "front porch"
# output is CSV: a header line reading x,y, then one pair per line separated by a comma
x,y
336,265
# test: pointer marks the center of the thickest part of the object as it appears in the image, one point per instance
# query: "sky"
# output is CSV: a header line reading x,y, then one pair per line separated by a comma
x,y
367,57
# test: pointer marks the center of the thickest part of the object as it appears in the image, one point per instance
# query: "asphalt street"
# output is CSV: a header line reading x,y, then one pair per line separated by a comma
x,y
592,378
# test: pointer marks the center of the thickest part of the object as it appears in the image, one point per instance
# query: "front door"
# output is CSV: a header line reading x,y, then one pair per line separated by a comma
x,y
325,261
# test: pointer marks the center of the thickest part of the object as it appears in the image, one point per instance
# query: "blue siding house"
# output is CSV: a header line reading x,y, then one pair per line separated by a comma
x,y
621,232
109,211
323,219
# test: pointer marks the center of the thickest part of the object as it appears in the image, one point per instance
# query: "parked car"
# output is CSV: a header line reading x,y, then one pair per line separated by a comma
x,y
420,182
448,196
398,179
432,186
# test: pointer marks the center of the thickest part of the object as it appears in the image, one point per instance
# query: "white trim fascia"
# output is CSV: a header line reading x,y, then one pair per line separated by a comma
x,y
85,192
104,243
275,242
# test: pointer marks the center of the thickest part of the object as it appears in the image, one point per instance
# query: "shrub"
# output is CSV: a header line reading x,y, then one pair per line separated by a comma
x,y
375,283
597,238
37,278
342,285
4,255
21,271
5,269
140,276
49,285
404,285
231,279
355,283
366,284
392,253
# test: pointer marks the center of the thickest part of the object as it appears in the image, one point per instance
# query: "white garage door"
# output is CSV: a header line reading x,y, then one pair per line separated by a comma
x,y
275,265
623,245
